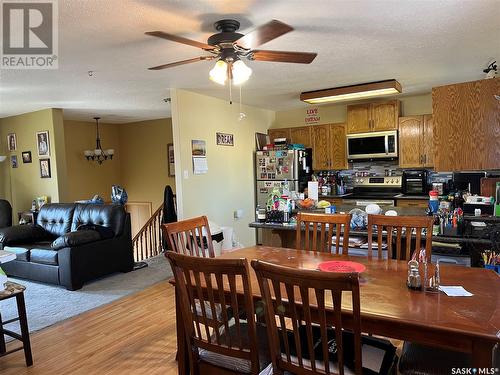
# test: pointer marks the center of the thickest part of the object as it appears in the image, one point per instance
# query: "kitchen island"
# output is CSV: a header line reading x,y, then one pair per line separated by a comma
x,y
455,247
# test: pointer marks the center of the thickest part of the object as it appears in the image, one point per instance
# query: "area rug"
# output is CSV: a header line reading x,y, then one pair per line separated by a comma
x,y
48,304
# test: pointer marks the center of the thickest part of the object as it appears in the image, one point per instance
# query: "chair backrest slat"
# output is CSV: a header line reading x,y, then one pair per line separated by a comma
x,y
207,287
289,296
398,224
327,225
187,237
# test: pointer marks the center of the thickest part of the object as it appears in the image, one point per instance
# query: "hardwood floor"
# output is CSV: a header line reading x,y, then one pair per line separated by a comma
x,y
134,335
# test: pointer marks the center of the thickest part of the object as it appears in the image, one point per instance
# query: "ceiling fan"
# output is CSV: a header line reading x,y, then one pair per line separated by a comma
x,y
229,48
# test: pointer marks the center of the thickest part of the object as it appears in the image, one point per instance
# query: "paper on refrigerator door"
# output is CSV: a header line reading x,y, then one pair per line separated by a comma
x,y
312,190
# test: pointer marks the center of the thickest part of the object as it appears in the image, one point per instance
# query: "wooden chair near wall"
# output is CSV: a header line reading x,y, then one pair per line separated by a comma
x,y
187,237
310,303
234,348
397,224
319,230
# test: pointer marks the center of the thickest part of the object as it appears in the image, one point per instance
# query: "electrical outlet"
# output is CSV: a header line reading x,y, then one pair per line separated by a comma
x,y
186,174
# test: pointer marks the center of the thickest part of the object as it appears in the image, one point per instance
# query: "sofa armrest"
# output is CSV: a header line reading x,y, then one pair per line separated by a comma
x,y
78,238
19,234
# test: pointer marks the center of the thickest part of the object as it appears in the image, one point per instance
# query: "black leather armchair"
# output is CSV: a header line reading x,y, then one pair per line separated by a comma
x,y
5,214
70,244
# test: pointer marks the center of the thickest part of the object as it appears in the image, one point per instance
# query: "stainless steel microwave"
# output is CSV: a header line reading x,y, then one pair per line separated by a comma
x,y
375,145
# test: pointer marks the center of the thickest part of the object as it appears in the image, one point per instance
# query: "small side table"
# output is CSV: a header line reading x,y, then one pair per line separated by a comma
x,y
29,216
16,290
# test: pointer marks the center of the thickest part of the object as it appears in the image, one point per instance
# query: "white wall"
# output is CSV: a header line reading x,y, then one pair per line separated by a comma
x,y
230,183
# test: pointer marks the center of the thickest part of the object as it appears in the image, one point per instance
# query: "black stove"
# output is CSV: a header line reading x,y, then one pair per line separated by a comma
x,y
376,189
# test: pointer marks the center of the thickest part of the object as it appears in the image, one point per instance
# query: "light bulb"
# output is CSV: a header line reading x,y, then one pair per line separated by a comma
x,y
97,152
88,153
218,74
241,72
110,151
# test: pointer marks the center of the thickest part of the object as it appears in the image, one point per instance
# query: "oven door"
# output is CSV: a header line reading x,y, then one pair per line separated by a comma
x,y
374,145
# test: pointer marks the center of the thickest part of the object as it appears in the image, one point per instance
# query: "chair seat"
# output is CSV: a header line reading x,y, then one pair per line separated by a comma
x,y
237,364
417,359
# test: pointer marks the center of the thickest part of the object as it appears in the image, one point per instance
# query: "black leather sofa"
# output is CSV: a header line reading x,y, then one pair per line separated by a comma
x,y
5,214
70,244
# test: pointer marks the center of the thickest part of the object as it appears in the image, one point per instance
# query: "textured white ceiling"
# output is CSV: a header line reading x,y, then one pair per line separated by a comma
x,y
421,43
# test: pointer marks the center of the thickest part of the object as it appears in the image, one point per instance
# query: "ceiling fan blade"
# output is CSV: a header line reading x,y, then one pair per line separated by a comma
x,y
182,62
284,56
264,34
180,39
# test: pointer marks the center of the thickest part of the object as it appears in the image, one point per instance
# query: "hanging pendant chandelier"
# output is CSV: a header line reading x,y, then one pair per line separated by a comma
x,y
98,155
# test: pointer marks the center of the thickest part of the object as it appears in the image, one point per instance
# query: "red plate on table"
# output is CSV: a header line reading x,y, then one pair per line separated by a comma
x,y
341,266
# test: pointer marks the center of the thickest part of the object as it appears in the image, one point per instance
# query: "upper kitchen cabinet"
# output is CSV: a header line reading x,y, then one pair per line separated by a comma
x,y
467,126
301,135
428,141
279,133
329,146
416,142
385,115
338,142
358,118
368,117
320,135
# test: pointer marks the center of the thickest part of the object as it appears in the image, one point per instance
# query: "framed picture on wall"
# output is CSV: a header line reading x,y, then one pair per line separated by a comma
x,y
171,160
42,143
11,142
13,161
45,168
26,156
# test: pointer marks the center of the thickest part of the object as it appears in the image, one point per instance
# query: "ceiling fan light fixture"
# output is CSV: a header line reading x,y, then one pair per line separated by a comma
x,y
362,91
241,72
218,73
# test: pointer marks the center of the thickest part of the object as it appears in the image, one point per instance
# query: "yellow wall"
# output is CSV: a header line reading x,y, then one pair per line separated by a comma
x,y
20,185
410,105
230,183
144,165
87,178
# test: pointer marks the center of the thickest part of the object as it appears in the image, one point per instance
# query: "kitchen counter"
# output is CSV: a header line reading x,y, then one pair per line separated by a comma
x,y
404,196
333,196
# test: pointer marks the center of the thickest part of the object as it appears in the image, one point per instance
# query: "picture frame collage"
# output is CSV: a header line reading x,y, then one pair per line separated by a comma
x,y
43,152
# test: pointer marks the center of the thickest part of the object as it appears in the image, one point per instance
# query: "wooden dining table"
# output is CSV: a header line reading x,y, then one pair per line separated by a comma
x,y
389,308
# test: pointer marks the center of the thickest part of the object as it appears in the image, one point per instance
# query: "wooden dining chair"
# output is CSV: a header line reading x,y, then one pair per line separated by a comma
x,y
187,237
288,294
305,326
396,224
234,347
319,230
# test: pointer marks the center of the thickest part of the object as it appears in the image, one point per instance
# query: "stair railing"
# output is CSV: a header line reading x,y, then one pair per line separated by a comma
x,y
147,243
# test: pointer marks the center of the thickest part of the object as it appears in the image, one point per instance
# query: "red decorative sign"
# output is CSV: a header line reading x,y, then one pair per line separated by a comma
x,y
312,116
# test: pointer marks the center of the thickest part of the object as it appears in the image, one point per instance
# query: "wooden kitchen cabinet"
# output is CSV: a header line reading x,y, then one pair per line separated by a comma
x,y
279,133
329,146
368,117
466,120
338,146
320,135
301,135
428,141
358,118
385,115
421,203
415,141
